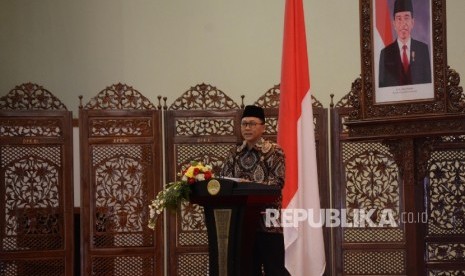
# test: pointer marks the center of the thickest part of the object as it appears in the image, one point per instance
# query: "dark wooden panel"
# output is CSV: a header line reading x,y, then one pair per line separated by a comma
x,y
36,183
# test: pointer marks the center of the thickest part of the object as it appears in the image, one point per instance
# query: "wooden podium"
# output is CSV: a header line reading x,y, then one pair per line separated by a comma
x,y
232,211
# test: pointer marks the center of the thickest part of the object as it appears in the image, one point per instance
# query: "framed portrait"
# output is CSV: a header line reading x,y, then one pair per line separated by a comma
x,y
403,52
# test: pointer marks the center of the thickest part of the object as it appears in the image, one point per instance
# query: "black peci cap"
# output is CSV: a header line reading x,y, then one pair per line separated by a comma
x,y
403,5
254,111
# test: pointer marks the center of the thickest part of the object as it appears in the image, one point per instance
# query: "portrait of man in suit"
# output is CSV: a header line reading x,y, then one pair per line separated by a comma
x,y
406,61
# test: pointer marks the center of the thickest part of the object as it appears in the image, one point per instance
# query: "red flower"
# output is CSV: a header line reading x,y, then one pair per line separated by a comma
x,y
196,171
191,180
207,175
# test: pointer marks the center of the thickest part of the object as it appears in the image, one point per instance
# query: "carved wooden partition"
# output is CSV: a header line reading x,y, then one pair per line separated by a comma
x,y
412,171
442,177
204,124
121,173
365,176
36,188
200,125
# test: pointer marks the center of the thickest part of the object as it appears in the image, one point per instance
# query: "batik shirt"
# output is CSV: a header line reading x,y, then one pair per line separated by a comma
x,y
264,163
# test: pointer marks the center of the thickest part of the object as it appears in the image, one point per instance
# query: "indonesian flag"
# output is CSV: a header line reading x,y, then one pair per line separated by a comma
x,y
382,34
305,254
383,31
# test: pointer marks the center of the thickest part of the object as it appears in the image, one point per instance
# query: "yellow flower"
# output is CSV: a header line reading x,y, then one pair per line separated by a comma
x,y
176,192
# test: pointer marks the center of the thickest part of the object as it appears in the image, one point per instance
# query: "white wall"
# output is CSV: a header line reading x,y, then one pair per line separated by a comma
x,y
163,47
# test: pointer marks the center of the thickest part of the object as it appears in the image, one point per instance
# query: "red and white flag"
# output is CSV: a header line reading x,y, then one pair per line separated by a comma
x,y
304,246
383,32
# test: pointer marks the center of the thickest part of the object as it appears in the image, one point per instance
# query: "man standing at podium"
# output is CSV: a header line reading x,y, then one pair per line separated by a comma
x,y
261,161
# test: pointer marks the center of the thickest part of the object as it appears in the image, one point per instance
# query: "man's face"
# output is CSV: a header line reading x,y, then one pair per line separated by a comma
x,y
252,129
403,24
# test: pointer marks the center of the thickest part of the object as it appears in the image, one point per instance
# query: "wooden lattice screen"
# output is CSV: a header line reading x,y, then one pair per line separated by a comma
x,y
203,124
36,188
421,180
200,125
361,169
443,172
120,133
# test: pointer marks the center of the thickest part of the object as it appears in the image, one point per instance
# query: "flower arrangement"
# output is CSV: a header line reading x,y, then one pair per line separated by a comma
x,y
177,192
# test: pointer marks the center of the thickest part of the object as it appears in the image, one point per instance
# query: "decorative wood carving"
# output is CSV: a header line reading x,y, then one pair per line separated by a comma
x,y
404,155
423,149
203,127
271,98
120,135
350,100
30,127
30,96
119,96
456,96
37,188
426,150
446,197
30,214
120,127
444,234
370,262
408,127
120,192
369,180
203,97
372,183
446,252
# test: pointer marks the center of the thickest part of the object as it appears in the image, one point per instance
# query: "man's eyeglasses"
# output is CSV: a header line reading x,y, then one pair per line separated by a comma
x,y
250,124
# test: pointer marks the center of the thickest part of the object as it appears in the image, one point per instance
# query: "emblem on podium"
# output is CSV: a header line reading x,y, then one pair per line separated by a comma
x,y
213,187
